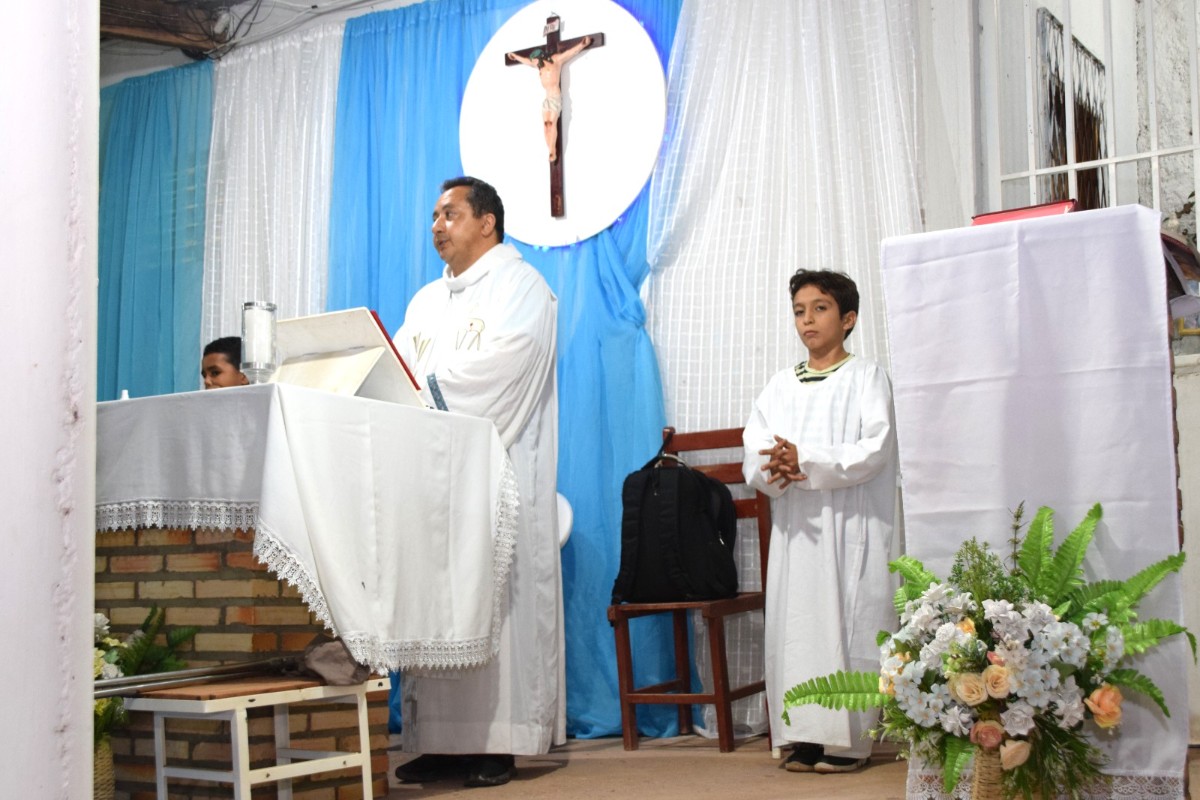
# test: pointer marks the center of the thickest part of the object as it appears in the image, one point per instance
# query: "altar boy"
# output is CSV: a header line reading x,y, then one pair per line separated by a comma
x,y
820,442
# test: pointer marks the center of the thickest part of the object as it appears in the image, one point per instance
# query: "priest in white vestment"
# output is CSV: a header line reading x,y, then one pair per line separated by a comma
x,y
820,442
486,333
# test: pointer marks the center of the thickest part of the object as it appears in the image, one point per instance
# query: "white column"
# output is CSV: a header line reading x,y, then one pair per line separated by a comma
x,y
49,81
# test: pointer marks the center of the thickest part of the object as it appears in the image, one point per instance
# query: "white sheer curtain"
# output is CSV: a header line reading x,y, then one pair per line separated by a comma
x,y
269,177
792,142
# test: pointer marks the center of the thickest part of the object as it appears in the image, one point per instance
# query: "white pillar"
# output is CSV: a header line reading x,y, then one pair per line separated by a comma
x,y
49,79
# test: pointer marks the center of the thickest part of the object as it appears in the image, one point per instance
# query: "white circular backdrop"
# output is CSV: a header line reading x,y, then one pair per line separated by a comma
x,y
614,111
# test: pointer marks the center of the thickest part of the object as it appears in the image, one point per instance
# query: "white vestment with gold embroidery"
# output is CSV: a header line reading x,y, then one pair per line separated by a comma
x,y
489,337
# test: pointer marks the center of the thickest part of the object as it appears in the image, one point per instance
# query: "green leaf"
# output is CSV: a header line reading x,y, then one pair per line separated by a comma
x,y
1098,596
1132,679
180,636
1141,637
916,580
956,753
853,691
1136,587
1064,572
1034,558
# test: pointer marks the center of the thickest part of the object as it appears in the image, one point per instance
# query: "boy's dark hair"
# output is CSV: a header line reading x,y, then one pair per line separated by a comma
x,y
482,198
228,346
837,285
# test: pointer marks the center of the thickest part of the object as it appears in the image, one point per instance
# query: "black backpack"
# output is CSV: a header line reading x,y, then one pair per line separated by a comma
x,y
677,532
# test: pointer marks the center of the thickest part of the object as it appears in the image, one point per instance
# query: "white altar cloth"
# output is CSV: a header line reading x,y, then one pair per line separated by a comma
x,y
395,523
1030,362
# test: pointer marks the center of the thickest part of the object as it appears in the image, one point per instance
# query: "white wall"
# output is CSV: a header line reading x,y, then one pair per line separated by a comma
x,y
1187,417
48,190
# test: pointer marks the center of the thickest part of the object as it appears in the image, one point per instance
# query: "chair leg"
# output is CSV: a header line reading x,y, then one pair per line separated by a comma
x,y
625,683
683,669
720,668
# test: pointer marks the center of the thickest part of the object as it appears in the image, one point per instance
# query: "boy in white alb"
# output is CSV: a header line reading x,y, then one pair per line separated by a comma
x,y
821,443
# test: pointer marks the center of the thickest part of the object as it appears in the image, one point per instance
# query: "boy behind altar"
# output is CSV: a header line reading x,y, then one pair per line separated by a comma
x,y
821,443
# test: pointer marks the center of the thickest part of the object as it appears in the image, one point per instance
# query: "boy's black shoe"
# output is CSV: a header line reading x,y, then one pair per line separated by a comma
x,y
804,757
829,765
489,770
429,768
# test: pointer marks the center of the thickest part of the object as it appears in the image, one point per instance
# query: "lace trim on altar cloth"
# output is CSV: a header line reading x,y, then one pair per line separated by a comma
x,y
927,785
219,514
508,504
436,656
442,659
287,567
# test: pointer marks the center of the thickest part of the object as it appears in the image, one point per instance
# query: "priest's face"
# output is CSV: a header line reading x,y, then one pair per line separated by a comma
x,y
819,321
459,236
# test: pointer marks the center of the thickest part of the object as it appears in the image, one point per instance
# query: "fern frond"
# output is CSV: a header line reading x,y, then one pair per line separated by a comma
x,y
1132,679
916,580
956,754
180,636
1097,596
1141,637
1139,585
1034,558
853,691
1065,569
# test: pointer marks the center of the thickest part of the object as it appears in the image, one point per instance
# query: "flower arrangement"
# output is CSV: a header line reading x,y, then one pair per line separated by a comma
x,y
140,653
1011,661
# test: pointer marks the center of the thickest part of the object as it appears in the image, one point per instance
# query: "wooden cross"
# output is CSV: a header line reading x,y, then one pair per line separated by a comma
x,y
537,56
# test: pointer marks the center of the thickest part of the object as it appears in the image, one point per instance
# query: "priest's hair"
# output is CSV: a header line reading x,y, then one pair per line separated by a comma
x,y
482,198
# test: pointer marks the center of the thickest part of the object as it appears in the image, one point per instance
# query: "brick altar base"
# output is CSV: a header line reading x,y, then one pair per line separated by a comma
x,y
210,579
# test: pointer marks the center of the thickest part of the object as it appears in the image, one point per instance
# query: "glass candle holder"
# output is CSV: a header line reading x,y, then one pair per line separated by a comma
x,y
258,340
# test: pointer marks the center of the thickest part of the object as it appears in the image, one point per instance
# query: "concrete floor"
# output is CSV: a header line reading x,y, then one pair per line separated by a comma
x,y
666,769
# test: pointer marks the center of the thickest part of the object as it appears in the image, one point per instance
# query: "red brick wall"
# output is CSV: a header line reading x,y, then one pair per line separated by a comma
x,y
211,579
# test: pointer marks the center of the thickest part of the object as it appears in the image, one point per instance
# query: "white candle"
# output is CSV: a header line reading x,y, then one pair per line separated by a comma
x,y
258,340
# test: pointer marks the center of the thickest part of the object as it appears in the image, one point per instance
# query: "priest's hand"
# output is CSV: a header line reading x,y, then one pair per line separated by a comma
x,y
783,463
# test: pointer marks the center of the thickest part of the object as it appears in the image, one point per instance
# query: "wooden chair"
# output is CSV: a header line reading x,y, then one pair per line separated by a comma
x,y
678,690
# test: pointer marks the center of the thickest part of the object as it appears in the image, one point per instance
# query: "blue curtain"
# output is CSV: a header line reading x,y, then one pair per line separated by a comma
x,y
154,142
403,74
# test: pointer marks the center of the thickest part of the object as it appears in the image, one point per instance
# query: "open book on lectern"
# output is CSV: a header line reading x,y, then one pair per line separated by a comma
x,y
346,352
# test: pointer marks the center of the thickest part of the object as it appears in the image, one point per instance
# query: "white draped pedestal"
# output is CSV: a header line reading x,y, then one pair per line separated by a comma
x,y
396,524
1031,362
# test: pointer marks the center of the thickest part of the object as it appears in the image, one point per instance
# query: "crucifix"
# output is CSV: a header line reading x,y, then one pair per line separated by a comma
x,y
549,59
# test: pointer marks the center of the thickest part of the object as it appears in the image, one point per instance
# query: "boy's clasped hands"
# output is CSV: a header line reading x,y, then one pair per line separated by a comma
x,y
783,463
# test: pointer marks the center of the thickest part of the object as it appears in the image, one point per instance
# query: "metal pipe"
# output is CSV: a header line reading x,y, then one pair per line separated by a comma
x,y
132,685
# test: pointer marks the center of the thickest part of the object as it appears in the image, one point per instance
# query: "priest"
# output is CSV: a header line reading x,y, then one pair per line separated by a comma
x,y
483,338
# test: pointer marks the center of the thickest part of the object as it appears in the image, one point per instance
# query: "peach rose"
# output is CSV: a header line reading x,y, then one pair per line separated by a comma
x,y
995,681
886,686
1105,705
967,625
1013,753
968,688
995,658
987,733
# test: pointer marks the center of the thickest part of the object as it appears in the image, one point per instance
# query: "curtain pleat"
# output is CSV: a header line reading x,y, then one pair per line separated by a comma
x,y
402,79
269,178
154,144
791,143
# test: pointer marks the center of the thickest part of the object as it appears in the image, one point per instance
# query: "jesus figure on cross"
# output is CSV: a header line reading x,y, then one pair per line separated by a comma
x,y
549,66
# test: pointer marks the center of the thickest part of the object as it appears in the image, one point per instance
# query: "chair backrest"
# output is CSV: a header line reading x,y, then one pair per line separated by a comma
x,y
757,507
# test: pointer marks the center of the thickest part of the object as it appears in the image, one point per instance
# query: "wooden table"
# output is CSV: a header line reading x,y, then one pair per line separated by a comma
x,y
229,700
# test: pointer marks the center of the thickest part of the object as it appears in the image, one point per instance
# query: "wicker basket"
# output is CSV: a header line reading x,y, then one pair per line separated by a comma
x,y
104,781
988,783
